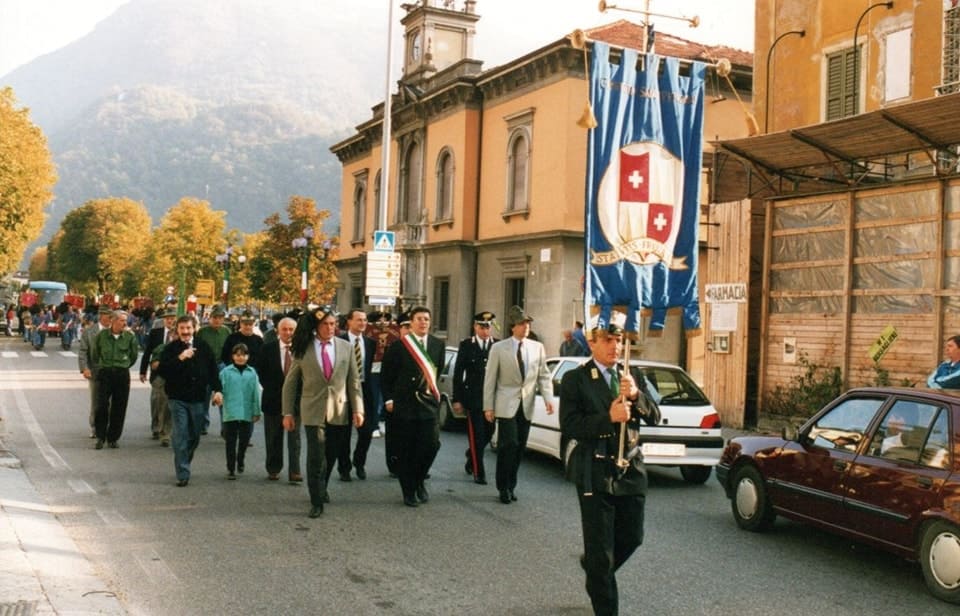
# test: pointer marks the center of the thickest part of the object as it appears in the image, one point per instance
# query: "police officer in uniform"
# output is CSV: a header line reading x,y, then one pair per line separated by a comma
x,y
468,392
595,400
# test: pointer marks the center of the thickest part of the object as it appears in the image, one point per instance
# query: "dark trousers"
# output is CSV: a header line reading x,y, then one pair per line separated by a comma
x,y
479,433
417,443
273,435
316,463
612,530
390,448
237,433
338,449
512,436
365,437
113,391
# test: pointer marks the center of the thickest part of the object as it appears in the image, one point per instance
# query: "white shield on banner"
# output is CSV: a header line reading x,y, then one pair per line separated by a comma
x,y
640,204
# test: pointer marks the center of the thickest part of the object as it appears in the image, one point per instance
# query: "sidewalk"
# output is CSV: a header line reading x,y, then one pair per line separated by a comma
x,y
41,569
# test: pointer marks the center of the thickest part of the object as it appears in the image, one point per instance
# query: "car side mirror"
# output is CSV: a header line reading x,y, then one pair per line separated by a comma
x,y
789,433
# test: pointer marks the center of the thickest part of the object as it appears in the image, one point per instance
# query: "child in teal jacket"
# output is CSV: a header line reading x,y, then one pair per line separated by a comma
x,y
241,407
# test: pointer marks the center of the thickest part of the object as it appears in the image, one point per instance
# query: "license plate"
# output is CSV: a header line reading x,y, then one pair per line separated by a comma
x,y
663,449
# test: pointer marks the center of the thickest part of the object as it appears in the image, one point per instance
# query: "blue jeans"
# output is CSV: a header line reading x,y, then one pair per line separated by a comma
x,y
187,423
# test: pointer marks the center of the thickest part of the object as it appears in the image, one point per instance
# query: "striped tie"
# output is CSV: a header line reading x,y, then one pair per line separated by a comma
x,y
358,354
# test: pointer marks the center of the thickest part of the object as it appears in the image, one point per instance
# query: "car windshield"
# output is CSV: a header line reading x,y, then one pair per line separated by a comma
x,y
674,387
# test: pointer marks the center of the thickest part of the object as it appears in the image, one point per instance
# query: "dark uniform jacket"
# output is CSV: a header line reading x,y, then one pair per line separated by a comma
x,y
271,375
468,373
254,345
402,381
585,400
189,379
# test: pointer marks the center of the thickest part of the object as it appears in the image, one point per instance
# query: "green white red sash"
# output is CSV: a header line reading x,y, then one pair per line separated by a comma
x,y
412,343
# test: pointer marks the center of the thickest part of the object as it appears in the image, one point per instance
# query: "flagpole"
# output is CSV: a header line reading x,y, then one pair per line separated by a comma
x,y
387,125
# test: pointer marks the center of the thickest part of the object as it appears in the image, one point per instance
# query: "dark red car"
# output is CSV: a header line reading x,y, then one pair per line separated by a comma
x,y
878,465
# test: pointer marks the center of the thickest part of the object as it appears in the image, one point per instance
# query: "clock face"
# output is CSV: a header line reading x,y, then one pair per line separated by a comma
x,y
415,45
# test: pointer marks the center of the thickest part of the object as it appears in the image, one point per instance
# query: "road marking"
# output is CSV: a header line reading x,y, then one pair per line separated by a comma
x,y
52,379
80,486
9,354
36,433
112,518
68,353
38,354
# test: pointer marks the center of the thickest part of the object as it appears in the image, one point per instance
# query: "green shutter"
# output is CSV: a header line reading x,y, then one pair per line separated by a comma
x,y
840,101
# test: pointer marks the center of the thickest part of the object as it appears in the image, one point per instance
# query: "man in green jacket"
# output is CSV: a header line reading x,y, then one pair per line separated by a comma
x,y
114,351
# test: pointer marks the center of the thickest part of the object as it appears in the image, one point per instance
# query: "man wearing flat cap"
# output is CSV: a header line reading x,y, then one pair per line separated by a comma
x,y
516,371
157,337
596,399
215,334
468,375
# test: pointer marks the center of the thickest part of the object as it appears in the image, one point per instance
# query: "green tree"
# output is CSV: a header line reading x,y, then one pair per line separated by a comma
x,y
99,245
27,176
275,268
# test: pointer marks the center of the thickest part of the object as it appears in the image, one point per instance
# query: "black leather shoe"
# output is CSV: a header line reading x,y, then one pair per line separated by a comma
x,y
481,480
99,444
422,494
505,497
513,496
409,500
326,497
315,511
361,473
345,476
468,467
183,483
112,444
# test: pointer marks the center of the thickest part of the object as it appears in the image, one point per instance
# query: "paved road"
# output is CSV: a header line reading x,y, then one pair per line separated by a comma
x,y
220,547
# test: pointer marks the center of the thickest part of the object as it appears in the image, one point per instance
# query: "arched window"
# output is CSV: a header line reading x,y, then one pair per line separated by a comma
x,y
445,173
518,171
359,206
411,176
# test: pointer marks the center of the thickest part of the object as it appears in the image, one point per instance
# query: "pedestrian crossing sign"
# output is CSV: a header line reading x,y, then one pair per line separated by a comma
x,y
383,241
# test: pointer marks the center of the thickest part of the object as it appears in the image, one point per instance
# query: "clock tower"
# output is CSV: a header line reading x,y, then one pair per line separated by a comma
x,y
437,34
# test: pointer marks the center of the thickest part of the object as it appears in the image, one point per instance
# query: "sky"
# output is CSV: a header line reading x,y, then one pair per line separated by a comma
x,y
507,28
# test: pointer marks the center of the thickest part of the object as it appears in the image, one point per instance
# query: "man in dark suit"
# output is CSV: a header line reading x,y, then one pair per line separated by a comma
x,y
409,380
468,392
276,358
596,399
158,336
364,350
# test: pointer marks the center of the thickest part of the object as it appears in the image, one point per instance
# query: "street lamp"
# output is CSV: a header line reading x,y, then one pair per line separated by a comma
x,y
856,54
224,261
766,92
303,245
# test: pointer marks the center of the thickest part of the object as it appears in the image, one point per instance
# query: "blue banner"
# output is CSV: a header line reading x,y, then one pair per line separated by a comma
x,y
643,187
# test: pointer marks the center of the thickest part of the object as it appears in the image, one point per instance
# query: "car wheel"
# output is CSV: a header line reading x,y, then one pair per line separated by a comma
x,y
445,415
695,474
940,560
751,506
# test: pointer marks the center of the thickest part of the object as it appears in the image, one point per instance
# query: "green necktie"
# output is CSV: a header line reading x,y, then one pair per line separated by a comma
x,y
614,383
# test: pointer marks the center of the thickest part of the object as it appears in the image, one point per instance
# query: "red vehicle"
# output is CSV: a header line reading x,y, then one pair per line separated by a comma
x,y
877,465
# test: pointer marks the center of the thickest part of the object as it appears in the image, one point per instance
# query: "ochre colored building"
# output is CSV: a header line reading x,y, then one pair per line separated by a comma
x,y
487,177
850,196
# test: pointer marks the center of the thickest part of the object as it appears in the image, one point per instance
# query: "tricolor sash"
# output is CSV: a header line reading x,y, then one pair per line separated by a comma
x,y
423,361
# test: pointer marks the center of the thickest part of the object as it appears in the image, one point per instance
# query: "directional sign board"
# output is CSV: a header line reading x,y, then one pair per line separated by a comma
x,y
383,274
204,291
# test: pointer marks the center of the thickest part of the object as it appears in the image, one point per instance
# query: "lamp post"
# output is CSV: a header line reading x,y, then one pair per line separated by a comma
x,y
856,54
304,245
766,91
224,261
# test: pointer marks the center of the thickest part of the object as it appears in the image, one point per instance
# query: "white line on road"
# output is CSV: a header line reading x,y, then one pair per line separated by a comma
x,y
80,486
112,518
68,353
8,354
38,354
36,432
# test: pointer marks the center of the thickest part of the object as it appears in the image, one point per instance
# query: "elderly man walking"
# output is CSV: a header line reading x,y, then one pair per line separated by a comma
x,y
115,350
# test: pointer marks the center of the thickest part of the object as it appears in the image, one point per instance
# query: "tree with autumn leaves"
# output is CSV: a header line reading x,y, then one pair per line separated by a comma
x,y
27,176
